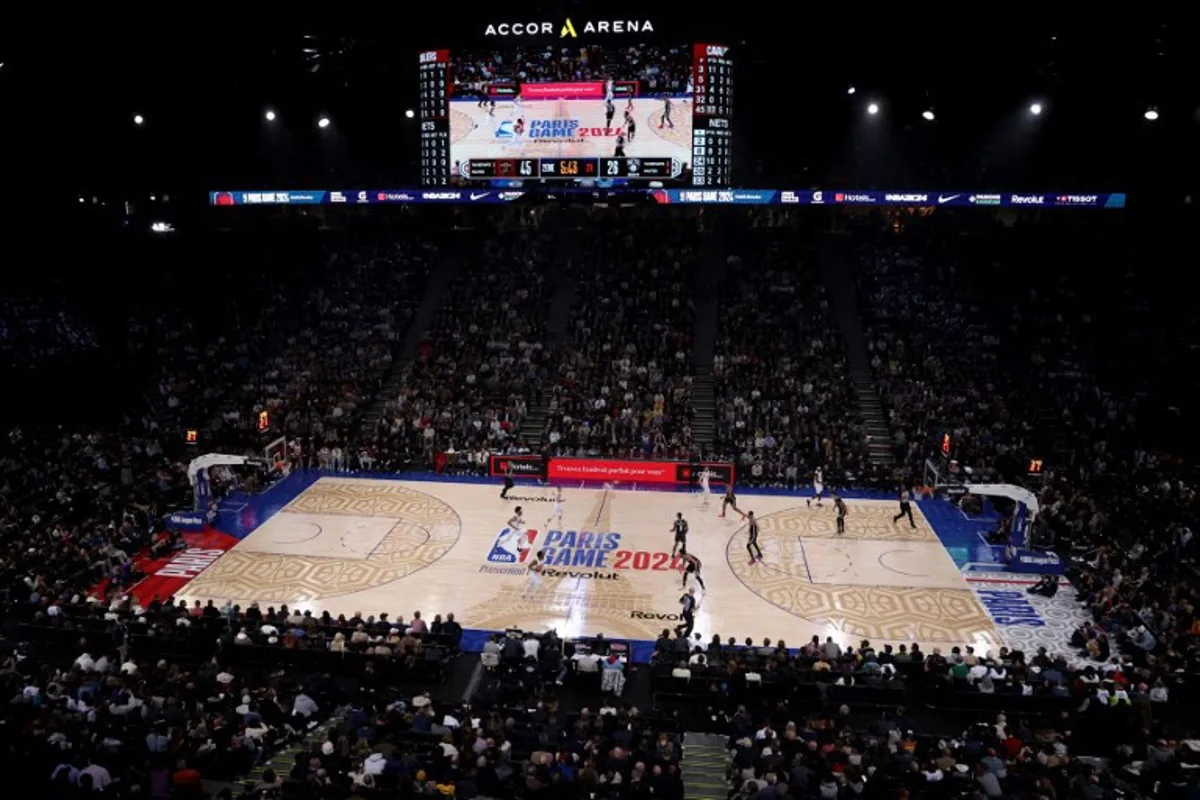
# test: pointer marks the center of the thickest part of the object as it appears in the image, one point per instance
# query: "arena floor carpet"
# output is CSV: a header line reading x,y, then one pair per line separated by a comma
x,y
347,545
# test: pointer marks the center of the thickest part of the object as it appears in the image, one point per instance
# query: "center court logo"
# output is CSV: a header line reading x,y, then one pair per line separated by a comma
x,y
569,554
512,547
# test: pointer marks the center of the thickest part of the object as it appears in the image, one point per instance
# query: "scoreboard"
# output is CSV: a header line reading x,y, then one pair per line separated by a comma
x,y
435,124
712,150
600,129
571,168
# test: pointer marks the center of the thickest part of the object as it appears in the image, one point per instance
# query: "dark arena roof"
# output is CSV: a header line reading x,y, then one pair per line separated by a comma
x,y
600,403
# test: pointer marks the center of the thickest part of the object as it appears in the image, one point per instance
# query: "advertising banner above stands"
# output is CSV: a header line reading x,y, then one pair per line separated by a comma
x,y
802,197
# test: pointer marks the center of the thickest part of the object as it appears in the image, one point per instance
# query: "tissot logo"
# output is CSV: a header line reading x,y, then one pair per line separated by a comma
x,y
1028,199
1077,199
569,29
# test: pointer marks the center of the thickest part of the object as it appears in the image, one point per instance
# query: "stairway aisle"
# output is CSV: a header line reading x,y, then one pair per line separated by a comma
x,y
837,272
463,245
707,309
704,766
565,251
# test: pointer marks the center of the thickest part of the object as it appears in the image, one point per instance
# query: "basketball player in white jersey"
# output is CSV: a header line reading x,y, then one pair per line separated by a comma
x,y
608,90
705,491
516,527
818,487
557,513
537,566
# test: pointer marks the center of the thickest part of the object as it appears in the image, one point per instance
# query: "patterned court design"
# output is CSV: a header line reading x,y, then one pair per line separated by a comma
x,y
351,545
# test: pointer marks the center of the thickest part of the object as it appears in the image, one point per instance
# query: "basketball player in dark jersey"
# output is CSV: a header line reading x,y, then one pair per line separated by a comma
x,y
630,125
519,127
665,119
840,505
905,509
729,501
619,150
680,529
609,111
752,538
691,566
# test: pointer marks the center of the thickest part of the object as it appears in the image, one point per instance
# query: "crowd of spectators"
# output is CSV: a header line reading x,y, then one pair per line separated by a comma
x,y
784,403
37,331
622,382
469,385
938,361
655,68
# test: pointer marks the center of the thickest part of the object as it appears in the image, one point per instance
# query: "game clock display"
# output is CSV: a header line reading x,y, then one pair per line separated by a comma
x,y
572,168
620,123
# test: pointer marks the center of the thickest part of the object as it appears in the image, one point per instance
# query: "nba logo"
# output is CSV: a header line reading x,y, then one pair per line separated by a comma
x,y
512,547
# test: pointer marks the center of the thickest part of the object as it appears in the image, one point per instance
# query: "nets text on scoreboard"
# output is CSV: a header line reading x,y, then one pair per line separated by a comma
x,y
572,168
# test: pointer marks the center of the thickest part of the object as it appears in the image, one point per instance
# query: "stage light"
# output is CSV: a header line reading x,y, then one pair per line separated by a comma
x,y
927,115
851,90
270,115
873,109
323,122
138,119
410,113
1151,114
1035,109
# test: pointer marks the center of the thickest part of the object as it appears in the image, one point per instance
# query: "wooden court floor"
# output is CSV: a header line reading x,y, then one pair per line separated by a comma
x,y
351,545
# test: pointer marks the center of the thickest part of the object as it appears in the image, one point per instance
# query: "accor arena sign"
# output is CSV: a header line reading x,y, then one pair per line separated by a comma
x,y
568,29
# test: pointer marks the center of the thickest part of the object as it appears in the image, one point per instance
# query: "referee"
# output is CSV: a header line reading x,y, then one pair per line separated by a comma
x,y
688,612
508,481
905,508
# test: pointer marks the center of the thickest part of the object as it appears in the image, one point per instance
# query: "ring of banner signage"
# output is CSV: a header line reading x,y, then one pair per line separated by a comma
x,y
804,197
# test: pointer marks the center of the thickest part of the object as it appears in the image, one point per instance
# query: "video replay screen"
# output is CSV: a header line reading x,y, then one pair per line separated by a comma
x,y
602,115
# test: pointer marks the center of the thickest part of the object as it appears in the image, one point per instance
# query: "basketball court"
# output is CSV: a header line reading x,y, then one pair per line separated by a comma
x,y
347,545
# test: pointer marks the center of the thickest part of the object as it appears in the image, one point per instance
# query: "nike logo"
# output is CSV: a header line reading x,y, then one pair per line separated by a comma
x,y
481,195
946,198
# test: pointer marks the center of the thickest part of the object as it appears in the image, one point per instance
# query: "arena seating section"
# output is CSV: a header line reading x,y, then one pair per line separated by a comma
x,y
622,378
783,400
150,701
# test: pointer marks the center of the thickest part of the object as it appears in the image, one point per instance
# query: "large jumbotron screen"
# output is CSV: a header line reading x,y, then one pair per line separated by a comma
x,y
566,110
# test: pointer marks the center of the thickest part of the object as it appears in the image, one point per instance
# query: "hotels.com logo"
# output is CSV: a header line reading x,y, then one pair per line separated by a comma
x,y
568,28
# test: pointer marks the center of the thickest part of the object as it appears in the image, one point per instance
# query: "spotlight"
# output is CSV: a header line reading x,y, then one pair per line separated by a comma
x,y
410,113
1035,109
1151,114
138,119
270,115
851,90
323,122
873,109
927,115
